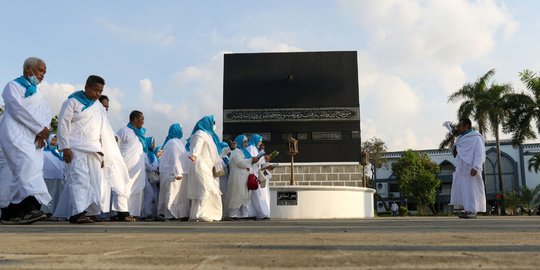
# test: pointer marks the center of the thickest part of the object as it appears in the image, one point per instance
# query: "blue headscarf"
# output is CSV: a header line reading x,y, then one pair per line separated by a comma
x,y
140,134
175,132
81,97
240,145
151,155
223,145
53,149
254,140
206,124
30,88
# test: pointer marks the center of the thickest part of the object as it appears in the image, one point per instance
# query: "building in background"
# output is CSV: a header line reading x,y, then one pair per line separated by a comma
x,y
515,173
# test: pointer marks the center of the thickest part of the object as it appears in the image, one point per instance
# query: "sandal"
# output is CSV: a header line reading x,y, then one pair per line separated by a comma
x,y
13,221
130,219
125,218
29,218
96,218
82,220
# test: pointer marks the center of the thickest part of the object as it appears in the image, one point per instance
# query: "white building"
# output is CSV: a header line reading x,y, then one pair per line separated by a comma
x,y
515,173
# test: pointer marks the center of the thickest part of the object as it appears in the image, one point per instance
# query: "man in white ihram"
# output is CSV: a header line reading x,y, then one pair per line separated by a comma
x,y
132,143
89,148
23,134
467,185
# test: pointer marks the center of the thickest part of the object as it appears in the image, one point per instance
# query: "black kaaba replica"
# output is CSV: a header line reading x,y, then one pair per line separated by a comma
x,y
311,96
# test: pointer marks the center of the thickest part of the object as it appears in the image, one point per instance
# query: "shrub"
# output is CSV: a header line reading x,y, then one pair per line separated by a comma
x,y
403,211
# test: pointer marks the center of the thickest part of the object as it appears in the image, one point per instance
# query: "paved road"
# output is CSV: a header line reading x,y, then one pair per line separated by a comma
x,y
379,243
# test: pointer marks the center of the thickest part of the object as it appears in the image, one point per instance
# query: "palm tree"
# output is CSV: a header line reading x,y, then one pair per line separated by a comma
x,y
486,104
525,198
472,96
534,163
525,108
496,98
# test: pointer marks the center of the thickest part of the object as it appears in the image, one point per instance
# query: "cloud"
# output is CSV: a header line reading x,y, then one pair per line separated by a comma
x,y
452,31
279,42
161,38
437,38
388,106
267,44
415,57
202,91
57,93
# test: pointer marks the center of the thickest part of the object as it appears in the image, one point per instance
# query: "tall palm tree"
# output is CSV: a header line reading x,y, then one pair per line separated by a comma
x,y
472,94
497,99
486,104
525,108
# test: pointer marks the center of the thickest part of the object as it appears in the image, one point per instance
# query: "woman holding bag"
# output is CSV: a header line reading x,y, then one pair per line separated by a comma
x,y
237,197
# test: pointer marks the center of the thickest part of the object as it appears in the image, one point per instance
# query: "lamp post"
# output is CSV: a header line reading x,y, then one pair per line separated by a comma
x,y
364,161
293,150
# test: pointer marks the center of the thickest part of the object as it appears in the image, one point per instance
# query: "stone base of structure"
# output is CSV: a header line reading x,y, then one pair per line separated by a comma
x,y
348,174
321,202
320,191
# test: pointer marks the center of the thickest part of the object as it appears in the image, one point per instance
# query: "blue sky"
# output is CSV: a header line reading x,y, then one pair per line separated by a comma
x,y
165,58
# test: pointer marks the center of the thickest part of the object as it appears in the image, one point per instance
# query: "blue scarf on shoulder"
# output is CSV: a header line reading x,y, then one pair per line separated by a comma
x,y
30,89
81,97
140,134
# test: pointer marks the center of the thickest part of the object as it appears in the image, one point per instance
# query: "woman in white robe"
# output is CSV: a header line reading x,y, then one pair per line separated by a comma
x,y
203,187
173,173
237,197
53,173
260,198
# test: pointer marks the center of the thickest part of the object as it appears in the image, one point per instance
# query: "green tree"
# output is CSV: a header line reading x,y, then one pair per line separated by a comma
x,y
54,125
1,110
375,149
487,104
416,176
525,108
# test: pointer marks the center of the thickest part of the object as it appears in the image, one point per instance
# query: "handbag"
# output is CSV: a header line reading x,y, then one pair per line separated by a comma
x,y
218,173
252,182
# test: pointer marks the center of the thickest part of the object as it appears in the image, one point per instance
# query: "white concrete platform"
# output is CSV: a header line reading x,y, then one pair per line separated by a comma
x,y
321,202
